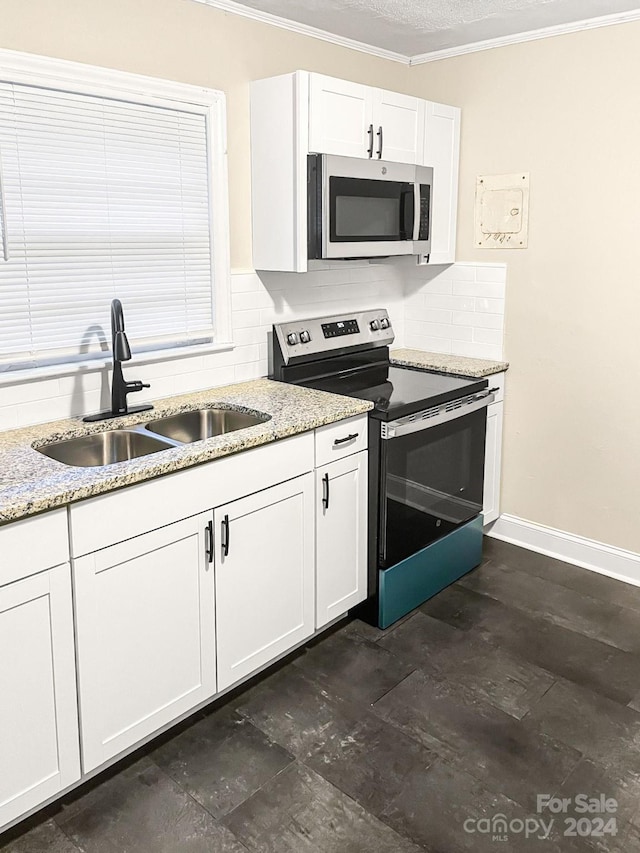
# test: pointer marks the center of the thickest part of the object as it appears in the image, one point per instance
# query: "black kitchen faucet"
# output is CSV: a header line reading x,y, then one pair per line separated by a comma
x,y
119,387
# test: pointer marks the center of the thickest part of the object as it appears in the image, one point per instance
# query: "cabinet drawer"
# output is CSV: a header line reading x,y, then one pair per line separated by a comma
x,y
33,545
335,441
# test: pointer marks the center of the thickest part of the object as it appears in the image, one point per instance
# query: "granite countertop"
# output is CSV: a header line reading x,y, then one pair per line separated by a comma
x,y
459,365
31,482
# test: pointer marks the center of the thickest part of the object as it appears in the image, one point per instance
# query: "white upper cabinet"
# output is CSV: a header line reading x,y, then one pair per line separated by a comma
x,y
442,151
340,117
399,127
304,113
352,120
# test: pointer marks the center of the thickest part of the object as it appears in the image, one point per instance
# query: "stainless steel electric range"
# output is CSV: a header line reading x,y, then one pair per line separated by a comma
x,y
426,453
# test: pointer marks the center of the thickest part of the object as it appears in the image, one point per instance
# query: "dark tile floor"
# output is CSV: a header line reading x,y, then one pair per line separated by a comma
x,y
521,679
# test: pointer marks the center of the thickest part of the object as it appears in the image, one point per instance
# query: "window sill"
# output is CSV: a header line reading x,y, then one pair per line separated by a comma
x,y
95,365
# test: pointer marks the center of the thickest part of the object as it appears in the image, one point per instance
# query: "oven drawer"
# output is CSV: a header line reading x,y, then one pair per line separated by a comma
x,y
335,441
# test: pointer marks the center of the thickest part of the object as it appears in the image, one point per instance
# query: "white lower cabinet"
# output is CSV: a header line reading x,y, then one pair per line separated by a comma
x,y
264,577
493,463
39,751
341,536
145,622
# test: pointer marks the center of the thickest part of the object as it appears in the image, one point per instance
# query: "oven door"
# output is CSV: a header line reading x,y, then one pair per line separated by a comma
x,y
431,477
369,208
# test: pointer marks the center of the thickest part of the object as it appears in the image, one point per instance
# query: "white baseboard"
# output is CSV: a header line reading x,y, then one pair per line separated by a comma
x,y
587,553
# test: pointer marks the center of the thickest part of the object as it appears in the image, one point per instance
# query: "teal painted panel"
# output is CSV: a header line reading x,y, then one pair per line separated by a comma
x,y
414,580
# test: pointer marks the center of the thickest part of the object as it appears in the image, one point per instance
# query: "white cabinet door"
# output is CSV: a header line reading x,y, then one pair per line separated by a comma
x,y
399,127
442,151
340,117
341,537
39,745
493,463
264,577
145,635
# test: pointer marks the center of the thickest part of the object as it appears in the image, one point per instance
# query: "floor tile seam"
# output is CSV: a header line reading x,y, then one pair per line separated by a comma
x,y
587,572
559,586
366,810
332,690
495,642
67,836
555,681
557,624
232,811
195,801
489,785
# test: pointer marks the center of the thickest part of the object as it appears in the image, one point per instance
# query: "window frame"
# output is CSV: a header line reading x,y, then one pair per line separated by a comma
x,y
33,70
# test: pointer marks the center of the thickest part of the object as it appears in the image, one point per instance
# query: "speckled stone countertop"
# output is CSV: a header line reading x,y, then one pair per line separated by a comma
x,y
459,365
31,483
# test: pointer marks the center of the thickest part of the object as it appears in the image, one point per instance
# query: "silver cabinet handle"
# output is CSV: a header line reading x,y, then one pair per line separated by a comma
x,y
3,217
379,134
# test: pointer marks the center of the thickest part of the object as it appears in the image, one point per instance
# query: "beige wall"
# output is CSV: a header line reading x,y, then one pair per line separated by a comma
x,y
192,43
566,110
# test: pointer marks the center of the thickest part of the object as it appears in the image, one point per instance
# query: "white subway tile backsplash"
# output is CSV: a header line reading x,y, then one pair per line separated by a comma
x,y
476,350
488,336
491,272
463,272
453,303
433,315
467,303
489,306
476,319
245,319
423,305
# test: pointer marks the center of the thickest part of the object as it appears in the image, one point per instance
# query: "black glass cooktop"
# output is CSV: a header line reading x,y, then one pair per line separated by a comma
x,y
397,391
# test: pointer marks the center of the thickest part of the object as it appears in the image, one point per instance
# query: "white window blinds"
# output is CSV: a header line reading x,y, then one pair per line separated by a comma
x,y
100,198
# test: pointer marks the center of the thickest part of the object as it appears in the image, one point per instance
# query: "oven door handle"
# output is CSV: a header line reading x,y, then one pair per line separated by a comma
x,y
415,423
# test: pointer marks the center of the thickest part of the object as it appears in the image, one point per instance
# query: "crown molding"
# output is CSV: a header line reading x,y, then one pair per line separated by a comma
x,y
531,35
304,29
420,58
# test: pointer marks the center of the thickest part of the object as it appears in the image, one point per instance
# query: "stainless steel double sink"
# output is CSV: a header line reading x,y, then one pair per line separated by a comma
x,y
120,445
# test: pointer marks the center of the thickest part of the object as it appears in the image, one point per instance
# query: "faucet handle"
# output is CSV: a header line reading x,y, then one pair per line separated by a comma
x,y
136,385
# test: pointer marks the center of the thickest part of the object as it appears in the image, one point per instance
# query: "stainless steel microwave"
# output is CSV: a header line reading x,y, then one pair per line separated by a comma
x,y
367,208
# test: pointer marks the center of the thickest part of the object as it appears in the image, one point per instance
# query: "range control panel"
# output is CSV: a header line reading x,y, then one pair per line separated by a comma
x,y
340,327
320,335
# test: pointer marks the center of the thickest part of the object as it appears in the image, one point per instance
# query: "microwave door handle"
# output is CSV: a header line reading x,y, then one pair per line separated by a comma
x,y
416,211
406,228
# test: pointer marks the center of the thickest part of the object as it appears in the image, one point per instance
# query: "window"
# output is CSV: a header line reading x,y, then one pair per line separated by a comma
x,y
111,186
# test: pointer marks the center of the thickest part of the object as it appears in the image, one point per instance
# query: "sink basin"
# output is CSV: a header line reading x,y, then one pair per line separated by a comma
x,y
103,448
204,423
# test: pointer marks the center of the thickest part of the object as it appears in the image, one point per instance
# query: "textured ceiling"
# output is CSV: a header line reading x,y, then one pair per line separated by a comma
x,y
413,27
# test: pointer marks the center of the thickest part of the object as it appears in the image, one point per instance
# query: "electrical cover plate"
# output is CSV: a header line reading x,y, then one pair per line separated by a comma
x,y
502,211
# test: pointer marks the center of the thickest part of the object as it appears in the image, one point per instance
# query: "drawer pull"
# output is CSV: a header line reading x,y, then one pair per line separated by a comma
x,y
351,437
